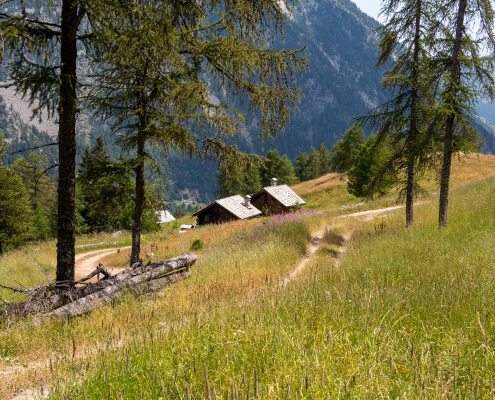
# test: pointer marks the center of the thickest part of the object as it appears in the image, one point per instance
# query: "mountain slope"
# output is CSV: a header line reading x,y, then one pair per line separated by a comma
x,y
342,84
340,43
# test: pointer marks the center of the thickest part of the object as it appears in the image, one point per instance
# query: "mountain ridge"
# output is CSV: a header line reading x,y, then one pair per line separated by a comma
x,y
340,42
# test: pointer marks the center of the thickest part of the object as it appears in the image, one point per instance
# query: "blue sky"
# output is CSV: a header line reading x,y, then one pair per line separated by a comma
x,y
370,7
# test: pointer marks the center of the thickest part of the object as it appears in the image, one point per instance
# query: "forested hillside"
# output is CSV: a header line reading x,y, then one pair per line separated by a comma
x,y
341,46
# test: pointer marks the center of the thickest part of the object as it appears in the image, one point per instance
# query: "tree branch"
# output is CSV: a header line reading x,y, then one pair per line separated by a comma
x,y
27,78
33,21
80,15
14,289
34,148
44,172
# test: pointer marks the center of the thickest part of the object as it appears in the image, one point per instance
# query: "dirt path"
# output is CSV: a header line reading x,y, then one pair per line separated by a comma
x,y
314,244
87,262
370,214
316,239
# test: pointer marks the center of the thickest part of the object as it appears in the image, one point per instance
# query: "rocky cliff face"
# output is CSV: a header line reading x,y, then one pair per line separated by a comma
x,y
340,43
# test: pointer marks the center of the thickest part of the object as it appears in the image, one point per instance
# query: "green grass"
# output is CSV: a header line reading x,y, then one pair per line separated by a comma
x,y
238,268
407,314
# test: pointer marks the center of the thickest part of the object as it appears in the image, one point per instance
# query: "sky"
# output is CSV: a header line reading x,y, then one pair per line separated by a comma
x,y
370,7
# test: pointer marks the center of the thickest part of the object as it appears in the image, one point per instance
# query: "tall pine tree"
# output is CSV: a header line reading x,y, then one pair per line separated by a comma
x,y
233,178
406,43
151,78
277,167
40,45
469,72
15,208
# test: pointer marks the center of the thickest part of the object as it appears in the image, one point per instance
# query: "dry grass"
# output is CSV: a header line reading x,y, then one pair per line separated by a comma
x,y
234,284
236,266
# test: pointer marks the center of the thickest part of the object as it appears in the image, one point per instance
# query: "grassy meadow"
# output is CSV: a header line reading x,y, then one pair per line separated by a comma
x,y
404,313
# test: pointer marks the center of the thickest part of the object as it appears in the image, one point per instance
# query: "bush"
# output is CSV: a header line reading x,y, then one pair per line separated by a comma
x,y
197,244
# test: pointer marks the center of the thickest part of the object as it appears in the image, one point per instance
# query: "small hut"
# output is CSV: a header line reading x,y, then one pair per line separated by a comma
x,y
276,199
227,209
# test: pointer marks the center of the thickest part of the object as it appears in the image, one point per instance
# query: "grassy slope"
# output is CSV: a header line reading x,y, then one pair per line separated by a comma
x,y
406,313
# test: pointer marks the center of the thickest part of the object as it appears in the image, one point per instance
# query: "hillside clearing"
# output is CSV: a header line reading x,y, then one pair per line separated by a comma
x,y
344,326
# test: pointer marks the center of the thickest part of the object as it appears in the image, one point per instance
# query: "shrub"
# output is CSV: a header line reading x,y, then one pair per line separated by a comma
x,y
197,244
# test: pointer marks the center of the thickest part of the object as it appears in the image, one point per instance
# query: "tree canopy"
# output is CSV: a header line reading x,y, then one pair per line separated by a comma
x,y
278,167
186,86
42,192
105,187
242,179
346,149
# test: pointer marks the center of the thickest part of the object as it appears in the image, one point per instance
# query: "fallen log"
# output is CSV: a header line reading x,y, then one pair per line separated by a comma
x,y
150,271
95,300
54,300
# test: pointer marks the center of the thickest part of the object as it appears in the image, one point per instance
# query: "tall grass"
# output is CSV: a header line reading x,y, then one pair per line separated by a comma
x,y
407,314
238,269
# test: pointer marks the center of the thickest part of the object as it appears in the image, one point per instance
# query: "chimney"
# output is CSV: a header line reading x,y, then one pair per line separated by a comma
x,y
273,182
247,201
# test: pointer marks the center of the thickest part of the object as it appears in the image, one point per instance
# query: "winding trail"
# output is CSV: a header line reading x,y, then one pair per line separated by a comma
x,y
316,239
314,245
87,262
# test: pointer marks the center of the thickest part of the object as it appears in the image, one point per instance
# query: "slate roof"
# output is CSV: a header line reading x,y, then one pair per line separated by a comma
x,y
283,193
235,205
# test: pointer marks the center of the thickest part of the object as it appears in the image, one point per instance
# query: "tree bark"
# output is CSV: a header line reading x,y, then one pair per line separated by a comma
x,y
450,123
139,203
413,134
411,172
67,143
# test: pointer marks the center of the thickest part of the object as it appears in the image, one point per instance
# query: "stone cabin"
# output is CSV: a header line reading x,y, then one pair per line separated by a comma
x,y
228,209
277,199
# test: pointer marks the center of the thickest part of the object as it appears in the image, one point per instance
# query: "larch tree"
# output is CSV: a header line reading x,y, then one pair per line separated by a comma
x,y
405,45
42,192
466,55
105,188
370,162
301,163
344,152
39,43
233,178
162,66
275,166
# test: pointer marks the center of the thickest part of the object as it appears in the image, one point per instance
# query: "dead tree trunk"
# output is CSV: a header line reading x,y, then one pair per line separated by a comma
x,y
153,270
138,285
69,298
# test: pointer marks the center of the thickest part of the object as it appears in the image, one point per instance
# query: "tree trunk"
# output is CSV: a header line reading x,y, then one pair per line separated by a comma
x,y
448,143
413,134
152,271
1,248
140,196
450,123
142,283
411,170
67,143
